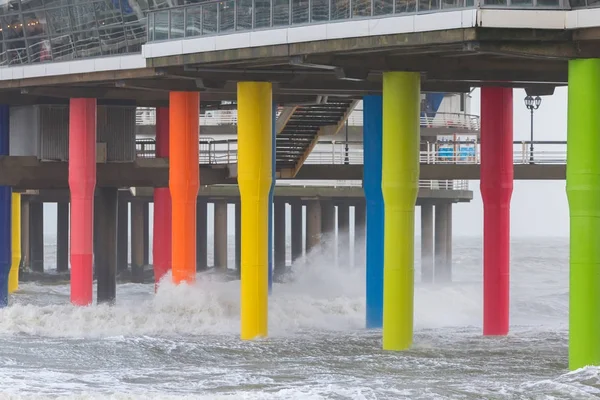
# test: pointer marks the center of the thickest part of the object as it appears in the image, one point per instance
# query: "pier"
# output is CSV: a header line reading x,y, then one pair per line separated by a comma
x,y
104,115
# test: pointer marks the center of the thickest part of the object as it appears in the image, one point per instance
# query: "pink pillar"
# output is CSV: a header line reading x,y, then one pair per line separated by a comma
x,y
496,191
82,183
161,252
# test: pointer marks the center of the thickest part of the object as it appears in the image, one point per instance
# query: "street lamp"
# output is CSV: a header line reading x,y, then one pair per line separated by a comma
x,y
532,104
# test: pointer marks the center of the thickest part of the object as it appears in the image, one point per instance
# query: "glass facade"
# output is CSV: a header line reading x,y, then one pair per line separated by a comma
x,y
34,31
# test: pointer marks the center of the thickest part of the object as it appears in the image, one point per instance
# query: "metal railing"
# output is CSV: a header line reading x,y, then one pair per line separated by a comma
x,y
338,152
219,17
454,184
147,116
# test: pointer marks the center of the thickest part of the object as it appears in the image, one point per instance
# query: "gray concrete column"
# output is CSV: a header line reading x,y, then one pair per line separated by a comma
x,y
25,236
279,237
201,235
238,238
360,220
427,243
146,233
449,243
36,235
360,232
220,234
327,217
123,232
441,235
313,224
137,241
343,238
62,237
296,230
106,205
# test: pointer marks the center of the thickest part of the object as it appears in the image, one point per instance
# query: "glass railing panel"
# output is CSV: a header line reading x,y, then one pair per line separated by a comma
x,y
319,11
193,21
281,12
299,11
226,16
340,9
177,29
361,8
244,15
209,18
383,7
161,25
406,6
262,17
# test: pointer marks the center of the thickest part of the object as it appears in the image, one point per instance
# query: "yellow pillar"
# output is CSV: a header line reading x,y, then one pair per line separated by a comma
x,y
254,180
400,185
13,277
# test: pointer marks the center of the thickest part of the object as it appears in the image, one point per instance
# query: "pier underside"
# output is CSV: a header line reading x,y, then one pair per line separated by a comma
x,y
448,60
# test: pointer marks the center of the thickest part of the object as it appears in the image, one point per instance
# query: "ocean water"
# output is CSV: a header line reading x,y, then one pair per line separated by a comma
x,y
182,343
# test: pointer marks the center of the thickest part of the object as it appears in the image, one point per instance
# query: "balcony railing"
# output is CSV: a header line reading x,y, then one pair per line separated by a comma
x,y
335,152
147,116
216,17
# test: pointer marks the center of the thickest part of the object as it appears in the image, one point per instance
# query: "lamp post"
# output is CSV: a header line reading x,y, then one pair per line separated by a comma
x,y
532,104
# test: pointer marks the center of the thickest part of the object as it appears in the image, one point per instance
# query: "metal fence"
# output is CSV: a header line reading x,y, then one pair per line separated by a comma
x,y
147,116
339,152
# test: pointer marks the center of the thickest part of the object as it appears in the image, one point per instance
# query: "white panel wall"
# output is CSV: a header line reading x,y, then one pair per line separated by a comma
x,y
25,131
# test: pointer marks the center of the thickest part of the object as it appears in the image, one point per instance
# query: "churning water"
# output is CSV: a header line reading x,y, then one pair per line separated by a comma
x,y
183,342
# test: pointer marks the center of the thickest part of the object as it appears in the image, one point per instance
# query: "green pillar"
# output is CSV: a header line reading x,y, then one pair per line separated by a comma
x,y
583,193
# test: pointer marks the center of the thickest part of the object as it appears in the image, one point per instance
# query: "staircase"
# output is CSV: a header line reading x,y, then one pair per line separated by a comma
x,y
299,129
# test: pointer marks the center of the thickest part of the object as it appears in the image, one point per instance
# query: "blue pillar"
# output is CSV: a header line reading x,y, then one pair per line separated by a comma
x,y
5,212
372,141
273,158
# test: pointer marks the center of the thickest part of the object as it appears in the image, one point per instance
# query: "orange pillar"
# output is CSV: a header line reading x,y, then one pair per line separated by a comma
x,y
184,181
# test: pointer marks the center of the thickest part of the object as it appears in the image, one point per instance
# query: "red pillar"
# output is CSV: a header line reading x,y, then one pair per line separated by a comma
x,y
161,248
496,191
82,183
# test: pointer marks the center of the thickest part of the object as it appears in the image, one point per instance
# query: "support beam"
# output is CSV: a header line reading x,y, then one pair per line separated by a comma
x,y
400,185
496,191
146,233
161,238
123,233
296,220
220,235
583,193
25,237
106,245
271,193
449,243
201,235
255,135
372,138
360,220
427,243
343,232
184,181
5,211
313,225
36,234
13,278
238,238
137,241
441,246
82,184
279,237
328,218
62,236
